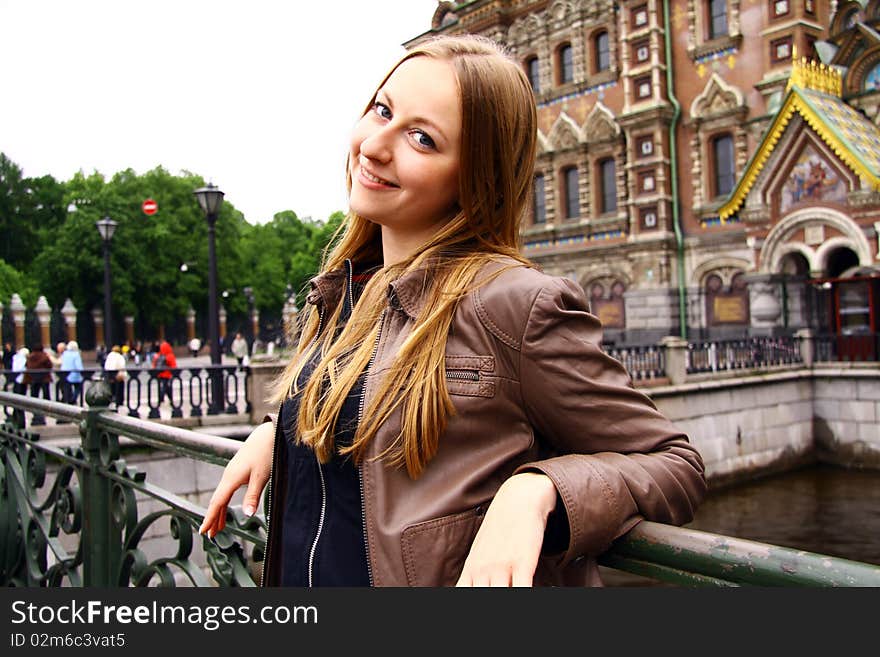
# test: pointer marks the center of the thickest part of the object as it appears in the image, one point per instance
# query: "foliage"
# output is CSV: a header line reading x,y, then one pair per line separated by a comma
x,y
58,251
12,282
31,209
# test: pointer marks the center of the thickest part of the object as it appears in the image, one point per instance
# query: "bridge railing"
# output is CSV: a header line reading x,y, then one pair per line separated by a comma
x,y
70,517
188,390
747,353
644,363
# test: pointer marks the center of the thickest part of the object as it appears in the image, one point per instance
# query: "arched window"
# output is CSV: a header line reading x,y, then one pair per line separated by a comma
x,y
716,11
571,193
602,52
566,64
607,186
539,205
723,165
532,71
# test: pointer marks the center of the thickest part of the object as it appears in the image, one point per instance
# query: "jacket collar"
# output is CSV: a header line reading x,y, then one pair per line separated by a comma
x,y
407,293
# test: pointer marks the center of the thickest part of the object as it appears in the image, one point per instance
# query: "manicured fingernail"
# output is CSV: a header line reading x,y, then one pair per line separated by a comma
x,y
248,509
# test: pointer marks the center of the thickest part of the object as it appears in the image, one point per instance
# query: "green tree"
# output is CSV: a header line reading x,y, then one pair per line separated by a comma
x,y
12,282
146,251
31,210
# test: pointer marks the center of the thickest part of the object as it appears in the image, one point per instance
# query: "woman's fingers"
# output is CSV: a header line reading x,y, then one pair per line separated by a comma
x,y
251,466
256,484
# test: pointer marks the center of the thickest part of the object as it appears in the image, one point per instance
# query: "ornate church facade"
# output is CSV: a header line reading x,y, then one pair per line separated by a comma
x,y
706,168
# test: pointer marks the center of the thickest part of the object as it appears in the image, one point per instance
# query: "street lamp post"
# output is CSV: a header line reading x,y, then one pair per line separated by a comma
x,y
210,199
249,295
106,227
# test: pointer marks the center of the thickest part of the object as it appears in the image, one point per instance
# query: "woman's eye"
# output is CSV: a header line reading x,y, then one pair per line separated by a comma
x,y
423,140
382,110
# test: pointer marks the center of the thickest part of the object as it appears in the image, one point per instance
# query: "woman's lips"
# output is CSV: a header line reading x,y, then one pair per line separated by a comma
x,y
368,176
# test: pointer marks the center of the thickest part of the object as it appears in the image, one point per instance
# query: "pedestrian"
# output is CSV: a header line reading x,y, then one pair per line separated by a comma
x,y
19,387
164,361
72,366
239,348
194,345
116,374
8,355
38,374
100,354
55,356
449,416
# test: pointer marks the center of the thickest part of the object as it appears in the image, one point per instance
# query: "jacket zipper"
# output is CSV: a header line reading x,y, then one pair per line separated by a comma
x,y
272,463
463,375
361,465
349,274
320,521
269,496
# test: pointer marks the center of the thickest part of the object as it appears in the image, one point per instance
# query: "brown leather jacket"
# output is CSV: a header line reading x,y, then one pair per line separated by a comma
x,y
532,392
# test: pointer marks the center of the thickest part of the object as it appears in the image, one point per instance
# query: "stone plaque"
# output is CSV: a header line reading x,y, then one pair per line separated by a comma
x,y
814,235
730,310
609,312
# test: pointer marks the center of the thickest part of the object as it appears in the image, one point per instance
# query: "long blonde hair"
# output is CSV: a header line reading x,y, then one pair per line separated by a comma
x,y
498,141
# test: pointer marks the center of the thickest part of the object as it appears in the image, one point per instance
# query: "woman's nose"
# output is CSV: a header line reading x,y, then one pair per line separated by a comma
x,y
377,144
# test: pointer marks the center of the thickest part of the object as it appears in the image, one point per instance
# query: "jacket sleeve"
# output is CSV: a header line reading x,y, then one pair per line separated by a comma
x,y
620,459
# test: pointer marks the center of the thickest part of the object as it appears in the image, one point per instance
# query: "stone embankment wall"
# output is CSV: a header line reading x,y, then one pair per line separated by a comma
x,y
758,424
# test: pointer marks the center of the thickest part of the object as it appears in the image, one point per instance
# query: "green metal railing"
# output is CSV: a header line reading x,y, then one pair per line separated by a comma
x,y
82,526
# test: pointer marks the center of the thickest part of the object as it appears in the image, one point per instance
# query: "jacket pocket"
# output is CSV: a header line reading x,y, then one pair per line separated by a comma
x,y
434,551
469,375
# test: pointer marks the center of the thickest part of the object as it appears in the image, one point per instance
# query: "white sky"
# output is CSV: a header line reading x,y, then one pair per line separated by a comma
x,y
258,96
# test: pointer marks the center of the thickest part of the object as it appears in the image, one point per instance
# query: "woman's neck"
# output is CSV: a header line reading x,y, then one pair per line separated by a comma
x,y
398,246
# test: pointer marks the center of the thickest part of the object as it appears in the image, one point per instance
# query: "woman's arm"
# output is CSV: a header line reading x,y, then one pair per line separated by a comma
x,y
621,460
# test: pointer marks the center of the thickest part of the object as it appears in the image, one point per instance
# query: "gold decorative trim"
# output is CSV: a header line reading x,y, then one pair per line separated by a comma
x,y
794,103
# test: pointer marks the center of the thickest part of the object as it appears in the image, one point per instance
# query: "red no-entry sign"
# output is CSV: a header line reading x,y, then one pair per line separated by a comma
x,y
149,206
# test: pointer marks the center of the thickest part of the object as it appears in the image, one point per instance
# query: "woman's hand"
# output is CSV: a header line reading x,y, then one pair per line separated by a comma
x,y
250,465
507,546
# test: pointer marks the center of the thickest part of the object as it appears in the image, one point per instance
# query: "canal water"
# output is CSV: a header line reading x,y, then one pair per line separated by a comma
x,y
819,508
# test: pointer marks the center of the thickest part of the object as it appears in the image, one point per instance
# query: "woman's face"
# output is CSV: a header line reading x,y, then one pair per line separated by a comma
x,y
405,151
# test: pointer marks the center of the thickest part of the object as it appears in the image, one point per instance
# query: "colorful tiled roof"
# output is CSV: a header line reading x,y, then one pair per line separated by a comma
x,y
814,94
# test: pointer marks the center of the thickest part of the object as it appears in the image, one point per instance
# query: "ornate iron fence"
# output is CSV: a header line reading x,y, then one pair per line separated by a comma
x,y
747,353
187,390
643,362
69,516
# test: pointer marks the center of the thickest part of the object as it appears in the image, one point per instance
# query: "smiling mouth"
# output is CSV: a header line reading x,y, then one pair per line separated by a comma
x,y
375,179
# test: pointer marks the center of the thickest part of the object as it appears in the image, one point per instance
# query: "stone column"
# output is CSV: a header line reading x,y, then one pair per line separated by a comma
x,y
222,314
17,308
255,324
190,324
765,306
807,345
44,315
288,313
69,312
129,329
676,358
98,318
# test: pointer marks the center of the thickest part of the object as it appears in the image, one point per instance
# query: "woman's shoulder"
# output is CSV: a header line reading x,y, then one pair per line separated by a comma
x,y
509,291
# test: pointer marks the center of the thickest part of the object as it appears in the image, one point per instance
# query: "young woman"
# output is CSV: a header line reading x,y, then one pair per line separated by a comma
x,y
449,417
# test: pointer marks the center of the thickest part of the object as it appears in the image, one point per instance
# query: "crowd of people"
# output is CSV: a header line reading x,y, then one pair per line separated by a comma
x,y
32,370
